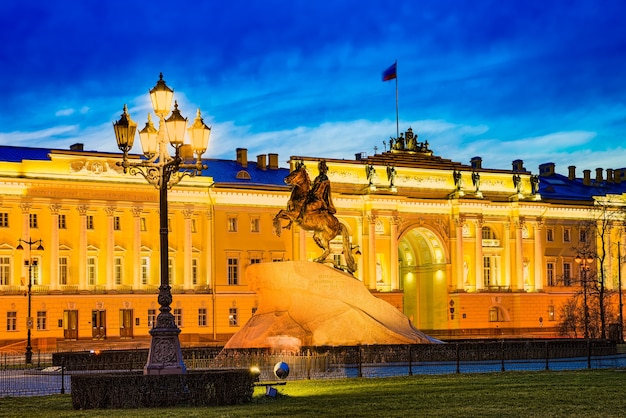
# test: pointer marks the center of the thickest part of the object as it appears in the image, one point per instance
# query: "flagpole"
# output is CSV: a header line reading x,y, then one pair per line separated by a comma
x,y
397,117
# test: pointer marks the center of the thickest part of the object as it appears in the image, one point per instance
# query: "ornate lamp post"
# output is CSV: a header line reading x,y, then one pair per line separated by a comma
x,y
163,171
29,320
585,266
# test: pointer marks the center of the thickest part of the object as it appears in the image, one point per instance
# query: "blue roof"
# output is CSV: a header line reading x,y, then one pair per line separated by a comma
x,y
225,171
17,154
560,187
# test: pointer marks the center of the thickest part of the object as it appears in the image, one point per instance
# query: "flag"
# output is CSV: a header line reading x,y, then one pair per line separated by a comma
x,y
390,73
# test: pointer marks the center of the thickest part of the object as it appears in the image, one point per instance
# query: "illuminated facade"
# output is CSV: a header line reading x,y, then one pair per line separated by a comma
x,y
462,250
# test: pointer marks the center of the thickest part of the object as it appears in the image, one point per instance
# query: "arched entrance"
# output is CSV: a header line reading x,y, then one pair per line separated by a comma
x,y
423,271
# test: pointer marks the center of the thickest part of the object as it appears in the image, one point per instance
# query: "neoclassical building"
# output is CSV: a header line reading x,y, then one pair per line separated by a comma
x,y
463,250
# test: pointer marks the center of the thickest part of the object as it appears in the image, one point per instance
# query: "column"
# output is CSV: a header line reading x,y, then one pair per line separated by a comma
x,y
538,231
480,282
393,254
208,253
26,253
301,244
54,245
507,255
458,256
359,240
136,246
82,246
519,256
370,281
187,249
110,246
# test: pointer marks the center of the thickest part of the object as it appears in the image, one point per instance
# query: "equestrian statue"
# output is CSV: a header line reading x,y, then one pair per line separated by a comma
x,y
310,207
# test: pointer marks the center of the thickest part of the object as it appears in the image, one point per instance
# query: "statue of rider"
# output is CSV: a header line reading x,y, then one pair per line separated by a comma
x,y
319,197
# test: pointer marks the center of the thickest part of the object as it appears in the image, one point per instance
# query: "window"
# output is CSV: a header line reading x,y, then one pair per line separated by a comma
x,y
91,271
255,225
178,317
550,274
35,270
117,224
194,271
550,234
255,260
63,270
194,227
232,224
551,313
11,321
567,274
495,315
488,233
145,270
202,317
233,321
487,271
142,224
5,271
151,318
62,222
42,320
4,219
233,271
582,235
566,234
170,269
117,270
32,220
89,221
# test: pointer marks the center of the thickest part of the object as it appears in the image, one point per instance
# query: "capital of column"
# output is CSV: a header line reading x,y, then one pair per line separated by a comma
x,y
54,208
25,207
110,210
137,211
82,209
188,213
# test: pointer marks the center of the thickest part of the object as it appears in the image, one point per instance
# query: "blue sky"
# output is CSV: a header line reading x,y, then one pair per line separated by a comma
x,y
541,81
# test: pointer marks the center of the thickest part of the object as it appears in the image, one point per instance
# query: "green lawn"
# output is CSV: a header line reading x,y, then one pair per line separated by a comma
x,y
588,393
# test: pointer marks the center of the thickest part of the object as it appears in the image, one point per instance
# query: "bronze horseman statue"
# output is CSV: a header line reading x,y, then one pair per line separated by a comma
x,y
310,207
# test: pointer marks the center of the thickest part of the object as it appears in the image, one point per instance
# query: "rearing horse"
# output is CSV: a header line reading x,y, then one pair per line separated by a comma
x,y
301,210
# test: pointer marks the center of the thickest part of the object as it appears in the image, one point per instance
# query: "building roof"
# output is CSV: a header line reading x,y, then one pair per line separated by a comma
x,y
226,172
559,187
223,172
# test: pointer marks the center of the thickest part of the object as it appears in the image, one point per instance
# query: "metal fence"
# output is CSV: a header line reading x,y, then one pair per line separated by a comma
x,y
51,374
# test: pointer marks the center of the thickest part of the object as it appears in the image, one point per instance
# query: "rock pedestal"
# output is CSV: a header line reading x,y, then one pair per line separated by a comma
x,y
302,303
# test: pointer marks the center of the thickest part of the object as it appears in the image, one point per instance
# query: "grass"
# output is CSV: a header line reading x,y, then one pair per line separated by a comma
x,y
586,393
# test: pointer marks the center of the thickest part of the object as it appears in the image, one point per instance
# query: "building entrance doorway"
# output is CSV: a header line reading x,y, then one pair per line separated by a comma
x,y
126,323
423,271
98,324
70,324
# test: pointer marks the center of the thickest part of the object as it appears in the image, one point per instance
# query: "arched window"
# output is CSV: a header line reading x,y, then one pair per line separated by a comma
x,y
488,233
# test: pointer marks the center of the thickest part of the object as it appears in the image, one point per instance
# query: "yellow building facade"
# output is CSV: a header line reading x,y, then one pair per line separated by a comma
x,y
462,250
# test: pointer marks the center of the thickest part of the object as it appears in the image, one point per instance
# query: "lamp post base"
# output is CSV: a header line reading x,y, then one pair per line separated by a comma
x,y
165,356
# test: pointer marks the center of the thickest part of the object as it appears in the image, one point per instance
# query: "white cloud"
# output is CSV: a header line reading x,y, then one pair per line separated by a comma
x,y
44,135
64,112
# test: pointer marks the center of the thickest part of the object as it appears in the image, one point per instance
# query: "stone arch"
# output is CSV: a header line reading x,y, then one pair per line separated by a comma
x,y
424,271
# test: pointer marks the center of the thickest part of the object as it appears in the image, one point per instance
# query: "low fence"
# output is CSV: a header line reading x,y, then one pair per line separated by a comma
x,y
53,376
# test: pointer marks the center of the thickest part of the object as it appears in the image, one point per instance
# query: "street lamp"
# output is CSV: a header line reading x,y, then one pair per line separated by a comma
x,y
585,266
29,320
163,171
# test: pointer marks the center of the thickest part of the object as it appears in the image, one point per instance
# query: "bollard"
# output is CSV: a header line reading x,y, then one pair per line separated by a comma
x,y
62,379
410,360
